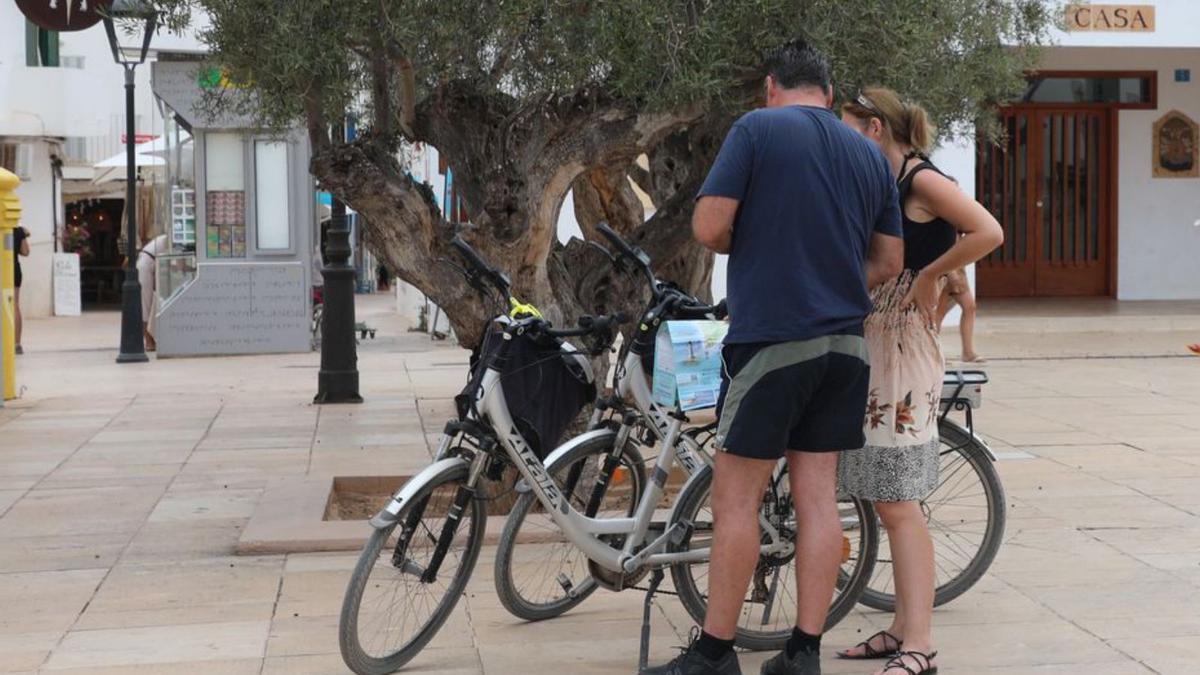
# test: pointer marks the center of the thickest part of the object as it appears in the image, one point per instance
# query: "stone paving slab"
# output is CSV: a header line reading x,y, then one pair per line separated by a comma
x,y
125,489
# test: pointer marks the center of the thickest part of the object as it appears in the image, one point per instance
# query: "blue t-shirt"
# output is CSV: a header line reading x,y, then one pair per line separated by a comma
x,y
811,192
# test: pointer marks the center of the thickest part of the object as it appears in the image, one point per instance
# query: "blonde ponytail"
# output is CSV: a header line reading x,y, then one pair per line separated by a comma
x,y
921,132
907,123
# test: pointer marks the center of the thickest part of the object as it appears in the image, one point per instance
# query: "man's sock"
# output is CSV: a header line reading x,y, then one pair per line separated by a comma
x,y
801,642
713,648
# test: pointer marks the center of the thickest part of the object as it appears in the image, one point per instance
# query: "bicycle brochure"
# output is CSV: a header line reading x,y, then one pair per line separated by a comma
x,y
687,363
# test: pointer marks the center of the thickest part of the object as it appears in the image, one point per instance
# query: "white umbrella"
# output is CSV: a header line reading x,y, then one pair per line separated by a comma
x,y
143,156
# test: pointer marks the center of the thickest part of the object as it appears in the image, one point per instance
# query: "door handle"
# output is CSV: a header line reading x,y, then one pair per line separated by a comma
x,y
1039,203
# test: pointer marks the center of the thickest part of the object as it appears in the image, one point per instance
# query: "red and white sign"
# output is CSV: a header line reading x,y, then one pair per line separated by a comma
x,y
138,139
64,15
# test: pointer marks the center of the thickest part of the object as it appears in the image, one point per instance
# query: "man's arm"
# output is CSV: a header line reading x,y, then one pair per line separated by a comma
x,y
723,191
712,222
885,258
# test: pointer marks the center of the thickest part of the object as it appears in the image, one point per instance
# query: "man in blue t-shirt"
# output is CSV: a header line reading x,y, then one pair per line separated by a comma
x,y
807,210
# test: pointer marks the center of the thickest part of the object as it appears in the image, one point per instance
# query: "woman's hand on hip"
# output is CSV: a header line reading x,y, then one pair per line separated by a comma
x,y
924,295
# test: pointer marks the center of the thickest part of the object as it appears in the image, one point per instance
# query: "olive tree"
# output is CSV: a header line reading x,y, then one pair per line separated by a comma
x,y
528,99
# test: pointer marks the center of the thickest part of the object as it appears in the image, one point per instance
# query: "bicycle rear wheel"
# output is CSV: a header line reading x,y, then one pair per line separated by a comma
x,y
399,594
769,612
966,516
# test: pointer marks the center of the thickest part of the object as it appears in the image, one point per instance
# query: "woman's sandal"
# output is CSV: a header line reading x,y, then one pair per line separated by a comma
x,y
918,659
869,651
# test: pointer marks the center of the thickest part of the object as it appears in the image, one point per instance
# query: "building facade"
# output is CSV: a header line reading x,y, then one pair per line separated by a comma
x,y
62,110
1098,183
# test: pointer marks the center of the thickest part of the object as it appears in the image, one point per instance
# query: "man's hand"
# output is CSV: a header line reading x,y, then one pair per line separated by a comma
x,y
885,258
712,223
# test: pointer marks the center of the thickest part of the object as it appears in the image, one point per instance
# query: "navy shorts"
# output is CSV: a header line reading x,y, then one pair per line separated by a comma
x,y
806,395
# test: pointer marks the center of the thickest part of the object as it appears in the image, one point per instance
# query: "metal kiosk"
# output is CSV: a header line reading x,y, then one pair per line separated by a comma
x,y
239,217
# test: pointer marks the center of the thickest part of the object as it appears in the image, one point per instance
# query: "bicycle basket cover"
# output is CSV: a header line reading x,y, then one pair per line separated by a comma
x,y
546,383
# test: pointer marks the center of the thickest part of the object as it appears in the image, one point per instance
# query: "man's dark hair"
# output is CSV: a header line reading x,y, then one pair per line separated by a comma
x,y
798,64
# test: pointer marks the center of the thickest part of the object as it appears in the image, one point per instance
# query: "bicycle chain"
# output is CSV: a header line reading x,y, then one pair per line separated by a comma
x,y
658,592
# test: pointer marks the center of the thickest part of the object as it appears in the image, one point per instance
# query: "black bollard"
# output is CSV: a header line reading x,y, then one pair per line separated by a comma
x,y
338,380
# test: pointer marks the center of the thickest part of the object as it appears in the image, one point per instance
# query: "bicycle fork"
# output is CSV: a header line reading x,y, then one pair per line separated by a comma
x,y
462,498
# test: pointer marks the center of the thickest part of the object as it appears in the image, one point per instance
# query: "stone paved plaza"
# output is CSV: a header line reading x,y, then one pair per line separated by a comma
x,y
123,490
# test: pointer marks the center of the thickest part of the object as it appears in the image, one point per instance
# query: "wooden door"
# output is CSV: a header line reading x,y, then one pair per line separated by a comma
x,y
1049,185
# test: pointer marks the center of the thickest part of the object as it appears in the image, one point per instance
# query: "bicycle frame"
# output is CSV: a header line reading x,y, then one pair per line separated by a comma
x,y
585,532
635,385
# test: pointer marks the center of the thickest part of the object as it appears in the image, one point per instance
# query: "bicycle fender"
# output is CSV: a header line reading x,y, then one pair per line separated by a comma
x,y
562,450
388,515
987,449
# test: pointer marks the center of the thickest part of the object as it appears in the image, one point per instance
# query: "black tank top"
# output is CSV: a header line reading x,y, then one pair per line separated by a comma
x,y
925,241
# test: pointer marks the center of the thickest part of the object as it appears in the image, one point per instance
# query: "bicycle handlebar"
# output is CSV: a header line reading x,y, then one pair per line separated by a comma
x,y
617,241
588,325
690,312
626,250
480,268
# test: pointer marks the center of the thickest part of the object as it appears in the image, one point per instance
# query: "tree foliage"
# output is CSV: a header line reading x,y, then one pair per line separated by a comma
x,y
529,98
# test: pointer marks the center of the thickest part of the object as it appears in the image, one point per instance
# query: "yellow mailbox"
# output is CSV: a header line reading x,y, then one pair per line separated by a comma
x,y
10,213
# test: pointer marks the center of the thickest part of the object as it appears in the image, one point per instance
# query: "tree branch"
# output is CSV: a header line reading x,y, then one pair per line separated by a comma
x,y
407,93
314,114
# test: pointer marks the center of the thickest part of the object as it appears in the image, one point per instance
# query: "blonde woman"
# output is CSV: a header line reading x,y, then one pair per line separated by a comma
x,y
944,230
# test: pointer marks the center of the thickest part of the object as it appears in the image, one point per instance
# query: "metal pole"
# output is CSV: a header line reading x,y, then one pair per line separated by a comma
x,y
133,347
337,382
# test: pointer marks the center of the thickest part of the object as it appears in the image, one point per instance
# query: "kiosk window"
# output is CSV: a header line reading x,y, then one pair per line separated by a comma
x,y
272,224
225,201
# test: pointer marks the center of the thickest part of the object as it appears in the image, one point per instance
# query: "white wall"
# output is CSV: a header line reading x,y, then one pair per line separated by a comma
x,y
37,217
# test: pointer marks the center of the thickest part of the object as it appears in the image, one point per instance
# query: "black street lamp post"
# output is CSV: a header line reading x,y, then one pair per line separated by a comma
x,y
133,347
337,381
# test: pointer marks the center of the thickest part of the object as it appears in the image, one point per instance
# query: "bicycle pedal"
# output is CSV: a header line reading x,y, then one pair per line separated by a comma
x,y
565,582
681,532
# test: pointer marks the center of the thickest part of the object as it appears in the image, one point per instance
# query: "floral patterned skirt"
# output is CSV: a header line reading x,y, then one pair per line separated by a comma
x,y
900,461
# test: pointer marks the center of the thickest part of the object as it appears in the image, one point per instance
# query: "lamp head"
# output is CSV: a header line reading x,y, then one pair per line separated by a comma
x,y
131,11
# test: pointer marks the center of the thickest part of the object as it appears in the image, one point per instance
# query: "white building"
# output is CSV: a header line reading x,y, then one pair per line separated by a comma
x,y
1098,186
1094,217
64,98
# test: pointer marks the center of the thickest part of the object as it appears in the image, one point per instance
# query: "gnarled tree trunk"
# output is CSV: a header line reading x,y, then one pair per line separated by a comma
x,y
514,167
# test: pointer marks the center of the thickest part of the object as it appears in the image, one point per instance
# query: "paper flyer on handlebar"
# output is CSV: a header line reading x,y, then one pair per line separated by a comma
x,y
687,363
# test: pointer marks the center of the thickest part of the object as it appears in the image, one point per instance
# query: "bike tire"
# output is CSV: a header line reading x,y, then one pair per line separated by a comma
x,y
562,558
877,594
850,583
446,483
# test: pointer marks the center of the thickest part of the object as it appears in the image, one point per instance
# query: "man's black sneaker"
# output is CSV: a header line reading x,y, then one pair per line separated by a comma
x,y
692,662
805,663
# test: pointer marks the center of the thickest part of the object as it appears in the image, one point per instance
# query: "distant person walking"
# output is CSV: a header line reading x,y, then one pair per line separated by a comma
x,y
899,465
147,269
20,248
958,291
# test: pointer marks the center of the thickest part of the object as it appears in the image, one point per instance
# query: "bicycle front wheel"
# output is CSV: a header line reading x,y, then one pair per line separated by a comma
x,y
769,610
966,516
411,575
540,574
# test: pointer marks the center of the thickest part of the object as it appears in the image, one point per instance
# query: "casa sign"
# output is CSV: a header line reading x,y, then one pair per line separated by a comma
x,y
1127,18
63,15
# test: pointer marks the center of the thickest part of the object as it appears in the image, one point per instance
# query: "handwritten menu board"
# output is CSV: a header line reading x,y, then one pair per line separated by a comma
x,y
238,308
67,301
